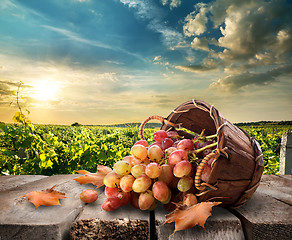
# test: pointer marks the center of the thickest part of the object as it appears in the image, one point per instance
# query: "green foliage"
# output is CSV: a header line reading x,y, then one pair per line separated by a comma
x,y
49,150
269,137
52,150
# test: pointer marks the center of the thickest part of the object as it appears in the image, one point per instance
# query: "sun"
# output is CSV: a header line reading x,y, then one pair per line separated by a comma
x,y
45,90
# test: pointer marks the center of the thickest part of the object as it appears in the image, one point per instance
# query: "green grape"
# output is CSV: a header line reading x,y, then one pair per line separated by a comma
x,y
122,168
138,170
185,184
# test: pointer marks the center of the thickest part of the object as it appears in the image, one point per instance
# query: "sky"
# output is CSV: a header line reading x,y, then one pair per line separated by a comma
x,y
120,61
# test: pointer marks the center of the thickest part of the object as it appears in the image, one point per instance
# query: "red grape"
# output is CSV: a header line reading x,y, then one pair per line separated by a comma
x,y
166,143
206,152
173,135
186,144
176,143
190,199
126,183
88,196
177,156
111,204
199,144
160,191
146,200
157,144
166,174
153,170
159,135
110,192
134,199
142,142
169,150
182,168
124,197
206,173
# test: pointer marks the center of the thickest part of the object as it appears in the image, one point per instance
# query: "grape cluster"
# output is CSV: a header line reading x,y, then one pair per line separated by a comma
x,y
163,171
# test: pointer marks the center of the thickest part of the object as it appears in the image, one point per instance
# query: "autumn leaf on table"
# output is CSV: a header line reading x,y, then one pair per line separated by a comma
x,y
186,217
94,178
48,197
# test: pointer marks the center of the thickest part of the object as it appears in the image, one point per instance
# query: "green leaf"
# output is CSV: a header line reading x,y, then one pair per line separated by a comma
x,y
43,157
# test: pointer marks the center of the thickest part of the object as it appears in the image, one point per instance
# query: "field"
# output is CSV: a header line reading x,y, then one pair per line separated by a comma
x,y
49,150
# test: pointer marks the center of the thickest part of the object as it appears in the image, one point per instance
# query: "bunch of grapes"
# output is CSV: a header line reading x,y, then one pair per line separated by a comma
x,y
162,172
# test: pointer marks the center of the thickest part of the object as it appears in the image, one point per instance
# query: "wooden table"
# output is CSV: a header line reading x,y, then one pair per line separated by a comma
x,y
267,215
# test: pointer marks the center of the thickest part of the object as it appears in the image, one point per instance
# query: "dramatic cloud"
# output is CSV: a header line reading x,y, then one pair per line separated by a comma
x,y
202,43
254,34
235,82
196,22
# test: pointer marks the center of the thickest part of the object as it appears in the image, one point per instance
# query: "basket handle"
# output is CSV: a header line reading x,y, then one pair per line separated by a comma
x,y
200,168
141,128
159,118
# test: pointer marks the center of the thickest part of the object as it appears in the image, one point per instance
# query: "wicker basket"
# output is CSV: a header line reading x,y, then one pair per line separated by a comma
x,y
238,165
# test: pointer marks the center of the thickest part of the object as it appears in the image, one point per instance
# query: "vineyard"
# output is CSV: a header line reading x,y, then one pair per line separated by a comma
x,y
49,150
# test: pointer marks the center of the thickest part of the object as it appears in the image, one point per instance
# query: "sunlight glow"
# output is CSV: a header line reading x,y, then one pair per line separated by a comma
x,y
45,90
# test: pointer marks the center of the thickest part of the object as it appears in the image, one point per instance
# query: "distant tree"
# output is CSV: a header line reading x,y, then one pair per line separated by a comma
x,y
75,124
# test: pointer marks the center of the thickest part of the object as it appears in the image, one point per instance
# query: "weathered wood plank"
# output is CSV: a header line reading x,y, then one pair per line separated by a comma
x,y
278,187
264,217
13,181
123,223
221,225
20,220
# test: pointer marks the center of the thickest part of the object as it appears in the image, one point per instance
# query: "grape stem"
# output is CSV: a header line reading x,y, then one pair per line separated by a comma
x,y
211,136
206,147
193,157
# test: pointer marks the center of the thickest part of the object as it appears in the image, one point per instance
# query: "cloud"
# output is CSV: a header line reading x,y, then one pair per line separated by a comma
x,y
147,10
248,27
157,59
20,11
160,60
255,45
172,3
6,87
195,23
207,66
77,38
245,79
110,76
196,68
202,43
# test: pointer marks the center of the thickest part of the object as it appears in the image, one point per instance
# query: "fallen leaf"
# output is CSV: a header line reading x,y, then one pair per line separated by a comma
x,y
48,197
186,217
94,178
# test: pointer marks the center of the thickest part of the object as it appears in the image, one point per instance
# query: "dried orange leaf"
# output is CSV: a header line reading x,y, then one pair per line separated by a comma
x,y
93,178
48,197
186,217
